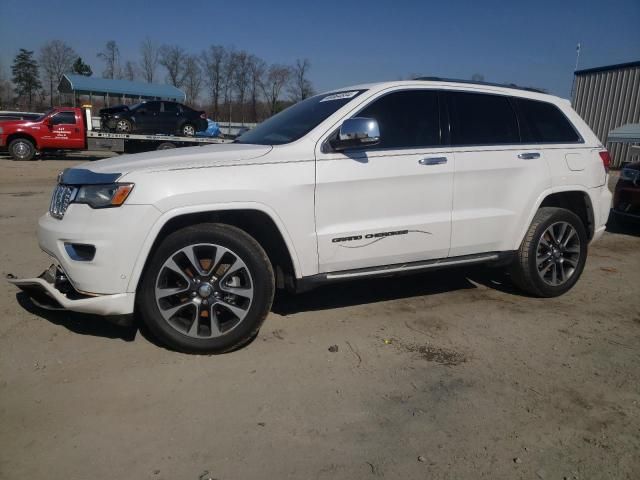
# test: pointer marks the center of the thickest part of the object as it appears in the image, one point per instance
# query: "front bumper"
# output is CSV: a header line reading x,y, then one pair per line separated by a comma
x,y
51,290
626,200
117,234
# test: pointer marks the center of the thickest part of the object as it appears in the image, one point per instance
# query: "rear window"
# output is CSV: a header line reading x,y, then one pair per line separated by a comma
x,y
481,119
543,122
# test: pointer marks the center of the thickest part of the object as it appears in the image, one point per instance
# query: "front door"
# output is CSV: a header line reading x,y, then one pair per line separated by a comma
x,y
64,131
389,203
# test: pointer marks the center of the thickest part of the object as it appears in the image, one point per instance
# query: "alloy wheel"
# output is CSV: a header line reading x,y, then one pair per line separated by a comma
x,y
558,253
188,130
21,149
204,290
122,126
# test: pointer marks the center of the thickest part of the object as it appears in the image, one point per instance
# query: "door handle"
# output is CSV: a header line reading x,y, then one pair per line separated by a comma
x,y
433,161
528,155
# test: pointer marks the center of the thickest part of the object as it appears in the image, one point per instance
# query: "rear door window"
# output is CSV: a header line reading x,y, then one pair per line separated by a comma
x,y
407,119
171,107
482,119
543,122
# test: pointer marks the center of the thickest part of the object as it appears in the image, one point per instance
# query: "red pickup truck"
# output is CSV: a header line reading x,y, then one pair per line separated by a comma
x,y
70,128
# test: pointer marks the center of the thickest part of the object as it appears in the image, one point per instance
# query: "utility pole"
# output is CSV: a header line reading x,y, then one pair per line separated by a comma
x,y
573,82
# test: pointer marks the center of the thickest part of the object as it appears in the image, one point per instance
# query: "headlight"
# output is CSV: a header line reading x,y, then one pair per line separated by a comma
x,y
630,174
103,196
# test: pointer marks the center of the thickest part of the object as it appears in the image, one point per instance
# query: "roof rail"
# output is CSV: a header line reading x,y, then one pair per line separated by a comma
x,y
487,84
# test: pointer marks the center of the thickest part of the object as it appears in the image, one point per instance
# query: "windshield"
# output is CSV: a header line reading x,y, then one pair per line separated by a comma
x,y
297,120
41,117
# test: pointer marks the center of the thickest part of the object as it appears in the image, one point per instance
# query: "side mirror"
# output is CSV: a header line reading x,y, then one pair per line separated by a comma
x,y
48,121
357,132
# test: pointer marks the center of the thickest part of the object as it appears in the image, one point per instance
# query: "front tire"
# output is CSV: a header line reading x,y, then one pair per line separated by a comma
x,y
123,126
188,130
22,149
207,289
552,254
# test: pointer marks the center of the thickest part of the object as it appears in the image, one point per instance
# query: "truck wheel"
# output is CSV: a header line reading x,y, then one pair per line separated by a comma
x,y
207,289
22,149
188,130
123,126
165,146
552,254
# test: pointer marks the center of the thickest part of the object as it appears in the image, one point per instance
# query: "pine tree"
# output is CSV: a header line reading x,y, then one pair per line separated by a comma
x,y
25,76
81,68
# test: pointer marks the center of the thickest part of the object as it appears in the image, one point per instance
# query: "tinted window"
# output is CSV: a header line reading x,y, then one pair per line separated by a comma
x,y
170,107
406,119
297,120
64,118
542,122
149,106
479,119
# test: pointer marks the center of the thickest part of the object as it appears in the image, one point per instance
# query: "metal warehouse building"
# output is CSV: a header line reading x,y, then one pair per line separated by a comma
x,y
606,98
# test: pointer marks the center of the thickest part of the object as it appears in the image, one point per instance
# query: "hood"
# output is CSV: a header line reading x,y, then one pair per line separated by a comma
x,y
112,110
15,123
216,155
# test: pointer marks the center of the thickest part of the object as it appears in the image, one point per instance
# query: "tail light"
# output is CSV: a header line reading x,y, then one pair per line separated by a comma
x,y
606,159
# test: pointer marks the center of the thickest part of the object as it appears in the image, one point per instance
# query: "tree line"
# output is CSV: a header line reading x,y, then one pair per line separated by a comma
x,y
231,84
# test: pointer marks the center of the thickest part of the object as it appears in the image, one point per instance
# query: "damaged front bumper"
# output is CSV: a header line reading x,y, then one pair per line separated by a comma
x,y
53,290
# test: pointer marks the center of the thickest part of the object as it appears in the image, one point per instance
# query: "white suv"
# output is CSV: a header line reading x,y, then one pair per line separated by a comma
x,y
371,180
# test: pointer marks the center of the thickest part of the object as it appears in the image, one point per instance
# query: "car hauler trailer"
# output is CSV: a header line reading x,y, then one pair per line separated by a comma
x,y
70,128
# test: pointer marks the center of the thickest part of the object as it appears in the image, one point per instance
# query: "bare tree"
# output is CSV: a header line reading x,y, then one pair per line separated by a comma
x,y
149,62
192,79
241,79
258,68
213,61
5,88
129,70
173,57
56,59
275,80
228,72
111,58
300,87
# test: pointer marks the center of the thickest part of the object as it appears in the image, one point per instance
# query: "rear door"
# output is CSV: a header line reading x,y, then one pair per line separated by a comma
x,y
65,131
497,178
389,203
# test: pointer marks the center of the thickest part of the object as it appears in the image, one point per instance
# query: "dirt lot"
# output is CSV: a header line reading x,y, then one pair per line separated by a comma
x,y
446,375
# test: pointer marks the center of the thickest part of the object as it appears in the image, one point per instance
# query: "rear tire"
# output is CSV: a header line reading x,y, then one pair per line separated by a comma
x,y
552,254
22,149
166,146
207,289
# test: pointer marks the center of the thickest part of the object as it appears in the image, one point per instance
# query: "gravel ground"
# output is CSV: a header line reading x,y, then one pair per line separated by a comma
x,y
441,375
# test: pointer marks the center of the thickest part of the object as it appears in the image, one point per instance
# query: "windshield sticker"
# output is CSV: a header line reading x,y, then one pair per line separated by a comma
x,y
339,96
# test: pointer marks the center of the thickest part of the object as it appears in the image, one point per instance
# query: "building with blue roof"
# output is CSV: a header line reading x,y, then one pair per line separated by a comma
x,y
119,91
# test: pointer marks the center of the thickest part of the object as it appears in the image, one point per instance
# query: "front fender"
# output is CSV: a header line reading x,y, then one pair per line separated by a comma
x,y
207,208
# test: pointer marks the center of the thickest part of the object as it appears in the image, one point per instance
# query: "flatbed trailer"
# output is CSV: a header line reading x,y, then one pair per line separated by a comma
x,y
71,128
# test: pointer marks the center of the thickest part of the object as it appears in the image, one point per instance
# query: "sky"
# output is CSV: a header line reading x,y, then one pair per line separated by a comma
x,y
529,43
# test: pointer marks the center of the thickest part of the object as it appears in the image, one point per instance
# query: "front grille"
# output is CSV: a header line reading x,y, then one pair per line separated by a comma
x,y
62,196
